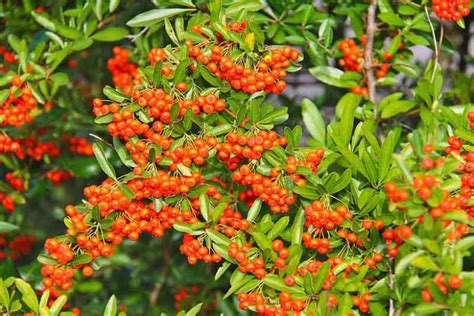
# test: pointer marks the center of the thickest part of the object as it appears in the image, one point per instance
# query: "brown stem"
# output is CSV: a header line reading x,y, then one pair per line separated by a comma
x,y
155,293
369,45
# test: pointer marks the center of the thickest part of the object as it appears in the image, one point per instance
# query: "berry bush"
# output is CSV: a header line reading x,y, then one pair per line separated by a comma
x,y
197,169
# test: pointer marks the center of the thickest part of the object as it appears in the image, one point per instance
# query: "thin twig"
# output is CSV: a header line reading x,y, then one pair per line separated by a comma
x,y
369,45
435,43
390,285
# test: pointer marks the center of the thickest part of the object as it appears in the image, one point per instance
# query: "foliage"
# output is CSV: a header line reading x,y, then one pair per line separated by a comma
x,y
366,211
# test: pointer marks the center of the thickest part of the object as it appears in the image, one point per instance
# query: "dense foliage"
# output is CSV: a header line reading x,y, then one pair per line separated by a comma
x,y
215,198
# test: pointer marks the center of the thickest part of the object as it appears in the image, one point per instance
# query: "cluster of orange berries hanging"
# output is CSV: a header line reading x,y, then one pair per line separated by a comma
x,y
452,10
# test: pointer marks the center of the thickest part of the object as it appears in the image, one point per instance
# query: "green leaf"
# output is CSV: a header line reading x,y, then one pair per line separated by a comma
x,y
113,94
98,9
332,76
195,310
254,210
111,308
347,105
428,308
4,296
321,275
81,259
297,228
43,20
104,164
246,6
170,31
218,237
387,150
58,305
219,130
278,283
424,262
279,227
110,34
151,17
313,120
204,206
262,241
464,244
60,78
405,261
28,294
396,108
123,153
6,227
113,4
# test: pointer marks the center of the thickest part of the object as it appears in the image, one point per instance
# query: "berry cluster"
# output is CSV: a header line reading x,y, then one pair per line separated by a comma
x,y
452,10
183,295
266,188
80,145
17,107
7,202
322,218
268,76
250,147
124,74
15,181
246,265
194,250
14,248
56,176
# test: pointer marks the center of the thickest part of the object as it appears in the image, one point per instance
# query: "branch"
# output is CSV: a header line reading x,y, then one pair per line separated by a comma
x,y
369,45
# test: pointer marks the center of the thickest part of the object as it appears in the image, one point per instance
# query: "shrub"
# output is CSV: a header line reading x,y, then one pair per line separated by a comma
x,y
366,211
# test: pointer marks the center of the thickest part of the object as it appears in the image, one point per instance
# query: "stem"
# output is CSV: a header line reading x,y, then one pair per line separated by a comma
x,y
369,45
390,285
435,43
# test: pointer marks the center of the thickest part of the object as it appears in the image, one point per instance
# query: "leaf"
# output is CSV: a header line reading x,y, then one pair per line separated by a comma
x,y
277,283
464,244
331,76
110,34
396,108
6,227
111,308
170,31
81,259
60,78
43,20
195,310
204,206
279,227
424,262
254,210
262,241
405,261
113,4
218,237
428,308
104,164
58,305
321,275
28,294
113,95
219,130
313,120
347,105
246,6
297,228
4,296
387,150
225,266
151,17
